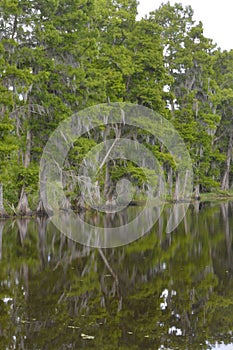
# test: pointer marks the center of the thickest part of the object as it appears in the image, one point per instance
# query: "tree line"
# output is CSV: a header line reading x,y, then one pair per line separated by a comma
x,y
58,57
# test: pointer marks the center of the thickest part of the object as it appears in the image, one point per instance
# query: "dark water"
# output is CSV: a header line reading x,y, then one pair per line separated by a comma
x,y
164,291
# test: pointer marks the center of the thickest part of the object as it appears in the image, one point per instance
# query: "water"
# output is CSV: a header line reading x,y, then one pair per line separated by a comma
x,y
164,291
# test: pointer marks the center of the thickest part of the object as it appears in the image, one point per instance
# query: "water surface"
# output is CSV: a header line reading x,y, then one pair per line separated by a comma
x,y
164,291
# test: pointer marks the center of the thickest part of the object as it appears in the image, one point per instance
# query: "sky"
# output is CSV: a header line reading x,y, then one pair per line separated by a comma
x,y
216,16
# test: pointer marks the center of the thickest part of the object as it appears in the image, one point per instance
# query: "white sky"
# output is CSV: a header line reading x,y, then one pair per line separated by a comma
x,y
216,16
223,347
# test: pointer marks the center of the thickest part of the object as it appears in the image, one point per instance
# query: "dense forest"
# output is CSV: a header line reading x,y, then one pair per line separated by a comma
x,y
58,57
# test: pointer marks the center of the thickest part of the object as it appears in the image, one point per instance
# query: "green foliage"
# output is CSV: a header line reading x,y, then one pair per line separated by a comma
x,y
28,177
58,57
79,150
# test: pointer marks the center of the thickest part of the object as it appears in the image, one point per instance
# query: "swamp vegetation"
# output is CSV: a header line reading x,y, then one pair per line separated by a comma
x,y
58,57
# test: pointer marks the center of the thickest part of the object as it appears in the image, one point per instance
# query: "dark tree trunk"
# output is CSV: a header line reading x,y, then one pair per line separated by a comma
x,y
107,183
170,182
23,206
3,213
226,177
42,208
176,195
197,192
2,223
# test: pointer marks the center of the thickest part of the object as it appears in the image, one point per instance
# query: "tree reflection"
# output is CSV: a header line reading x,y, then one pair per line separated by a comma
x,y
173,290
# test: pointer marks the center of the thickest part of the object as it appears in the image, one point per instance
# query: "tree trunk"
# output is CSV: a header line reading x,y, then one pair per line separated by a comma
x,y
197,192
170,182
27,158
226,177
184,189
107,183
160,187
42,208
1,197
3,213
23,206
176,196
2,223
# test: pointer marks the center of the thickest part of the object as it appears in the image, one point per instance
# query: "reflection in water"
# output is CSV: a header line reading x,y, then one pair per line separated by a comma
x,y
108,229
166,290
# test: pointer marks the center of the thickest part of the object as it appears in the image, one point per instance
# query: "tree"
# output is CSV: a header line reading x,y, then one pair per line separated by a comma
x,y
8,144
192,100
224,137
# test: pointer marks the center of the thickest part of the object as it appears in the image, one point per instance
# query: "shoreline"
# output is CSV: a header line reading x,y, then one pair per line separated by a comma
x,y
204,197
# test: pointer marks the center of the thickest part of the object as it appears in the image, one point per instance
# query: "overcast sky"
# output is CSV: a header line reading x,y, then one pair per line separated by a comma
x,y
216,16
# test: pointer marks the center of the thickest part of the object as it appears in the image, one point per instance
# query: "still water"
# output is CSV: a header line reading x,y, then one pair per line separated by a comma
x,y
164,291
